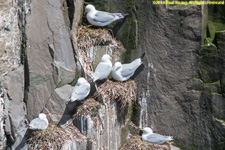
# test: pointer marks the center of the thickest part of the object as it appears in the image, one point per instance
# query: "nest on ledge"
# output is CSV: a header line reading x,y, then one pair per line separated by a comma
x,y
90,107
53,137
135,143
88,37
123,92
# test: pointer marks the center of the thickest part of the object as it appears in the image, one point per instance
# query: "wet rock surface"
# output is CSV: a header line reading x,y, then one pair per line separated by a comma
x,y
100,124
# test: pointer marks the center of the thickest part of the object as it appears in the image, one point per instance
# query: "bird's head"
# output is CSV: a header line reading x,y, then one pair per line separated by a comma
x,y
147,130
106,58
89,8
81,80
42,116
117,65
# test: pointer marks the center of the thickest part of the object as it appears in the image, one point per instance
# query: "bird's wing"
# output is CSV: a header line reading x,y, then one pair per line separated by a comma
x,y
129,69
157,138
102,16
81,91
102,71
38,124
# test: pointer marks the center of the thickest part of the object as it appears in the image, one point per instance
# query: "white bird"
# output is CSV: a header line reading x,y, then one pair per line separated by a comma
x,y
123,72
151,137
101,18
81,90
103,69
40,123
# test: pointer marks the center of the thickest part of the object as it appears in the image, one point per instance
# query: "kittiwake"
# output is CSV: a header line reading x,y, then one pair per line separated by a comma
x,y
81,90
103,69
40,123
101,18
123,72
151,137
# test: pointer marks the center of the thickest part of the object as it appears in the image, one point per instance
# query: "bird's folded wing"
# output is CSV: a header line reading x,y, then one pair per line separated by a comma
x,y
38,124
102,70
101,16
156,138
129,69
82,89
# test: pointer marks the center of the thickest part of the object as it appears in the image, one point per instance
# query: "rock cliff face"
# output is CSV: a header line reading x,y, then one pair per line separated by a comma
x,y
183,82
49,52
180,90
13,109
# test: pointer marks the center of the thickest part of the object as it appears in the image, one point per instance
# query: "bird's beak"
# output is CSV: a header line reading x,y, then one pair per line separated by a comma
x,y
110,58
114,68
85,12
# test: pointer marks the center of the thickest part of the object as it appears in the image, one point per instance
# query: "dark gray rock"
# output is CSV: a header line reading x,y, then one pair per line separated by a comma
x,y
56,105
15,108
49,52
2,121
100,123
218,106
174,83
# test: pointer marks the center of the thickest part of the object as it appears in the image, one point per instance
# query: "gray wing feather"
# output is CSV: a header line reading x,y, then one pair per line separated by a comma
x,y
102,16
157,138
129,69
102,71
38,124
81,91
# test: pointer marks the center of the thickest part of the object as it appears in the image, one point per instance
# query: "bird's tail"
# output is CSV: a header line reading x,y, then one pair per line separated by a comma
x,y
125,14
90,79
170,138
121,15
142,56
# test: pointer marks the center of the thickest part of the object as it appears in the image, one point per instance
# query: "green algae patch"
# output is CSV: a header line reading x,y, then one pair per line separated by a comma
x,y
213,21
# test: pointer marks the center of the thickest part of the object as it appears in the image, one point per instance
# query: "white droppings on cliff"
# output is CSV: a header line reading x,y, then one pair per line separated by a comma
x,y
150,66
82,122
144,111
108,50
143,122
101,115
2,132
101,125
26,7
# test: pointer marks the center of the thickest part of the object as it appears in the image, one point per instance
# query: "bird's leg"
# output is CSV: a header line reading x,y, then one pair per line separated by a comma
x,y
81,101
89,26
108,81
110,31
96,86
